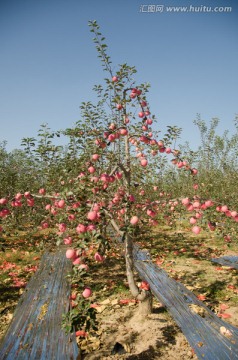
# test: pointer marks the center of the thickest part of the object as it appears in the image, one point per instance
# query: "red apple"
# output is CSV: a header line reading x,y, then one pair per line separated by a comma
x,y
70,253
196,230
134,220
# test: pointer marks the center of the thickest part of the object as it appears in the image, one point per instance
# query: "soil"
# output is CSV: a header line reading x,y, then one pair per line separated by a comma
x,y
122,332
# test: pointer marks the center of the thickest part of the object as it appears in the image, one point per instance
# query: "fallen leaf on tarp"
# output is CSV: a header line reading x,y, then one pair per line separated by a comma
x,y
201,297
30,326
224,306
224,331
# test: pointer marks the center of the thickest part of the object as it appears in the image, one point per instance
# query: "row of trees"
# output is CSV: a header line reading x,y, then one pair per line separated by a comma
x,y
40,161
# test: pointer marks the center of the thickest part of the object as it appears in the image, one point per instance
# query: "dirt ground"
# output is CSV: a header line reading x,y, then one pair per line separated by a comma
x,y
122,333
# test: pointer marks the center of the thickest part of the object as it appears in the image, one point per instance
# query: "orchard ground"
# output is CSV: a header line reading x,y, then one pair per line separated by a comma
x,y
186,257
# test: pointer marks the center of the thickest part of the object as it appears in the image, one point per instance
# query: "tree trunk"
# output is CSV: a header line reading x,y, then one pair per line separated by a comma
x,y
144,297
146,305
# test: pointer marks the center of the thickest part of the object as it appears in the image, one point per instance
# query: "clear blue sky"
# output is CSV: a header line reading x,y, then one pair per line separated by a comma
x,y
48,63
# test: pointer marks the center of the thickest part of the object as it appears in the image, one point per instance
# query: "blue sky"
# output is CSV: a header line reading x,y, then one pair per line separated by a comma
x,y
48,63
